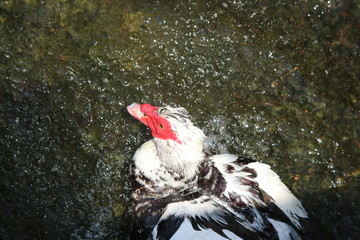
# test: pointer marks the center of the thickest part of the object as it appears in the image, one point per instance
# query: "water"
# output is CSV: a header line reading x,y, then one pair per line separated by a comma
x,y
277,82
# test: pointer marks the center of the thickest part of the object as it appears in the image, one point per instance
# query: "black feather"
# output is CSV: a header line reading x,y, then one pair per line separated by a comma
x,y
168,227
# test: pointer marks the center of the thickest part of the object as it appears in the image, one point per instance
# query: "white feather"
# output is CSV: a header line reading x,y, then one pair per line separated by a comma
x,y
204,207
186,232
233,184
285,232
148,164
270,182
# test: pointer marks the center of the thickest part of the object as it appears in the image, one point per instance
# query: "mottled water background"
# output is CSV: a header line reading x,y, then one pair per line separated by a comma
x,y
277,81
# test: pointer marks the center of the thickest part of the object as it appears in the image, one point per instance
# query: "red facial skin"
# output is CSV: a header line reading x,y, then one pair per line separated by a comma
x,y
159,126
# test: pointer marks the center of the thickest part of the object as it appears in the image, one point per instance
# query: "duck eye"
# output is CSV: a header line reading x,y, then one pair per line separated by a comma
x,y
161,126
144,114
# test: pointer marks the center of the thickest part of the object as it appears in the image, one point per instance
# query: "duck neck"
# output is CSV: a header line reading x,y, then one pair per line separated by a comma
x,y
181,159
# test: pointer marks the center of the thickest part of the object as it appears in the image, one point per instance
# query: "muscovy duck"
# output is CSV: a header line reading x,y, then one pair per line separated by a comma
x,y
182,192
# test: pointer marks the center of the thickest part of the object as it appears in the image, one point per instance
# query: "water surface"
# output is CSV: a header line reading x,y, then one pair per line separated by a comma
x,y
273,81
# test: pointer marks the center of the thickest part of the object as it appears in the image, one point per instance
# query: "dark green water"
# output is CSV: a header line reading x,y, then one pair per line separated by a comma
x,y
271,80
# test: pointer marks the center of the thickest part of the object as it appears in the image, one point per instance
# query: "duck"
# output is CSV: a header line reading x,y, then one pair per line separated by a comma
x,y
181,192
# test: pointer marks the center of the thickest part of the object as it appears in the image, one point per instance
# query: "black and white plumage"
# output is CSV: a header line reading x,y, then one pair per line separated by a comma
x,y
183,193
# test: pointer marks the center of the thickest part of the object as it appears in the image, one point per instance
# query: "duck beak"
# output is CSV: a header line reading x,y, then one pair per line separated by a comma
x,y
134,110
